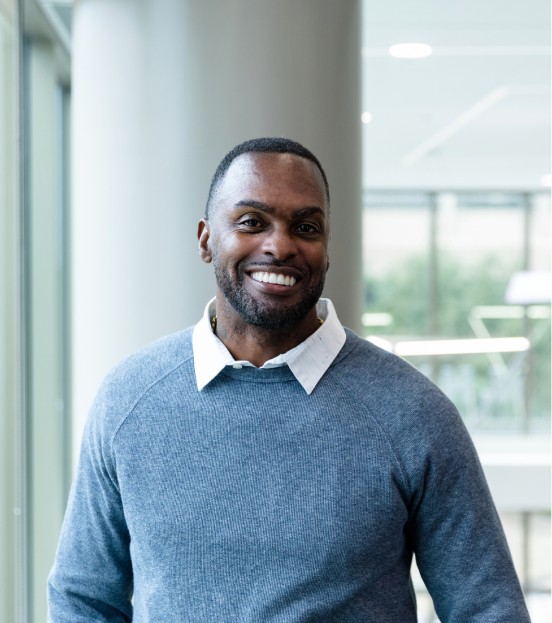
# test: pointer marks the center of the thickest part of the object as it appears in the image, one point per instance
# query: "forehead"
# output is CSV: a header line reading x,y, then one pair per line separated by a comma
x,y
274,179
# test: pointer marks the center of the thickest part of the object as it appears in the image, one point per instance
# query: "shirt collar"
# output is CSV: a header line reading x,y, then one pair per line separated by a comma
x,y
308,361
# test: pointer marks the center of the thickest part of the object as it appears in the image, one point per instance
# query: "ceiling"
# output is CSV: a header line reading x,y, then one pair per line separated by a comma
x,y
473,115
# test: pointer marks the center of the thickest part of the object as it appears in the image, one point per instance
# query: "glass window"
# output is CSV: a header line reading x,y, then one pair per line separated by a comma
x,y
35,453
11,527
47,431
539,260
396,231
439,266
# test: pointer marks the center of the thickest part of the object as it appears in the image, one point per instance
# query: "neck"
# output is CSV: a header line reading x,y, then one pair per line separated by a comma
x,y
248,343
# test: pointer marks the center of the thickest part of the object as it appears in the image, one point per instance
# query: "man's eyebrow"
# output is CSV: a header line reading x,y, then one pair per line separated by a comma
x,y
258,205
268,209
308,211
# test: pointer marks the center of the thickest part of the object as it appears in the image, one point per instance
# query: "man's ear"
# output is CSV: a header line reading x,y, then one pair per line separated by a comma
x,y
204,238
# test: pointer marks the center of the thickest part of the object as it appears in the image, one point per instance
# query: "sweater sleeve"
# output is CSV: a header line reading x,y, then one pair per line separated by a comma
x,y
92,575
454,528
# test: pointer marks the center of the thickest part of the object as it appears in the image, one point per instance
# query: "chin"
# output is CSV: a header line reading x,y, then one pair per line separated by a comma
x,y
266,312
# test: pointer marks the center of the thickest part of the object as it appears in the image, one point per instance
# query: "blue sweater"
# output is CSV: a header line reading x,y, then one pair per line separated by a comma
x,y
251,501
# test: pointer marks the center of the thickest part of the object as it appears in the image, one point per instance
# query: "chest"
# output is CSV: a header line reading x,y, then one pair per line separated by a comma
x,y
268,481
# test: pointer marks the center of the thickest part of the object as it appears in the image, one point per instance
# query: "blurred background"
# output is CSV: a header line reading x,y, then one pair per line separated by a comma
x,y
113,117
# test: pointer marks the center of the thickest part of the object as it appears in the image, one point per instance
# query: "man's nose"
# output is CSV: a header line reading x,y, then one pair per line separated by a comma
x,y
280,244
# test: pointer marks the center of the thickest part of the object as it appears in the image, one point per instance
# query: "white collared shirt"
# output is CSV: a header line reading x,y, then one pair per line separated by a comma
x,y
308,361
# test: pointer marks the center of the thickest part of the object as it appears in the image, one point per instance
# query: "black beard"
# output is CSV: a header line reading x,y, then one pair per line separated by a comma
x,y
264,316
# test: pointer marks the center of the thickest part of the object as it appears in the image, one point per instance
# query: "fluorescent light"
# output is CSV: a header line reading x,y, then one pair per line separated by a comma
x,y
546,180
462,347
510,311
410,50
528,287
378,341
377,320
366,117
498,311
538,311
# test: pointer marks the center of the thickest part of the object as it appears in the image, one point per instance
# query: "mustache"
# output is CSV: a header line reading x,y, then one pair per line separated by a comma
x,y
271,264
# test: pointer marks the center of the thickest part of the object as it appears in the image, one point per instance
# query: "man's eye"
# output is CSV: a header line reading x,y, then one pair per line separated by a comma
x,y
305,228
251,222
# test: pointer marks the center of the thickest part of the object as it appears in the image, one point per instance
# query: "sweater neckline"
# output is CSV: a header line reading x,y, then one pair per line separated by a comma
x,y
283,374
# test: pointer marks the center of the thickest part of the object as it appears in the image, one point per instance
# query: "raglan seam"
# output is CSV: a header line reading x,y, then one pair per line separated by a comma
x,y
402,469
142,395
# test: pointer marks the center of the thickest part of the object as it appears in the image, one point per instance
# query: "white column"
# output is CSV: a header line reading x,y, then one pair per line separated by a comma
x,y
162,89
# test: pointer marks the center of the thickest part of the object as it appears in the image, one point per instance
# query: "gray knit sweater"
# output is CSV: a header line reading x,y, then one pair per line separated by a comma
x,y
252,502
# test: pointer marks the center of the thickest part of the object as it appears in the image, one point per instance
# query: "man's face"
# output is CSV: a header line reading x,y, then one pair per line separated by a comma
x,y
269,232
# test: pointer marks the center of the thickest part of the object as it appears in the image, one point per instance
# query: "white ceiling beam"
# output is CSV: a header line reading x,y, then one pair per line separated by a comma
x,y
468,116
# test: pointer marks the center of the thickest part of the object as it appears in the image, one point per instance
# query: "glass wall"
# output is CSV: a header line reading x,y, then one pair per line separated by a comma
x,y
47,319
35,436
10,404
437,267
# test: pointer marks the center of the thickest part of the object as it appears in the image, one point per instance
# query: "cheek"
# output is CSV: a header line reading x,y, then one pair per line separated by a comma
x,y
233,249
317,259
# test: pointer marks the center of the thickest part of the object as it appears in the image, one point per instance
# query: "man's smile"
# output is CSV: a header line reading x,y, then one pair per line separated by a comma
x,y
279,278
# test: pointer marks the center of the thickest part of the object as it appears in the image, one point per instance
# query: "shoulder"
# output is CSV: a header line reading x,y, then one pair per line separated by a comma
x,y
134,376
384,378
420,422
154,360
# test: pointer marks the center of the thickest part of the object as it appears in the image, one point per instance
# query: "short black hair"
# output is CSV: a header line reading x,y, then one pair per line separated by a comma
x,y
272,145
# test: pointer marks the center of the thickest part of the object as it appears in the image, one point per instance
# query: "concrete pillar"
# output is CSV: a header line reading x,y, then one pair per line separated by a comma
x,y
162,89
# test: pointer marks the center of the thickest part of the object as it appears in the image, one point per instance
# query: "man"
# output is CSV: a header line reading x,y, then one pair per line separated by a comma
x,y
268,465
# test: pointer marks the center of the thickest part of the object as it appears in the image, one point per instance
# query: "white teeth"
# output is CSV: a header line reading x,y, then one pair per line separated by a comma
x,y
265,277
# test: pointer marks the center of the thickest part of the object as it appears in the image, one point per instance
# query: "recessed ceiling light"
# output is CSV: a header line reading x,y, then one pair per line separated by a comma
x,y
410,50
546,180
366,117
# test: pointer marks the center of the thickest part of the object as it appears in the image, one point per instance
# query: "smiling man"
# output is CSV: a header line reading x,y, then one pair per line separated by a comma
x,y
266,231
268,465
